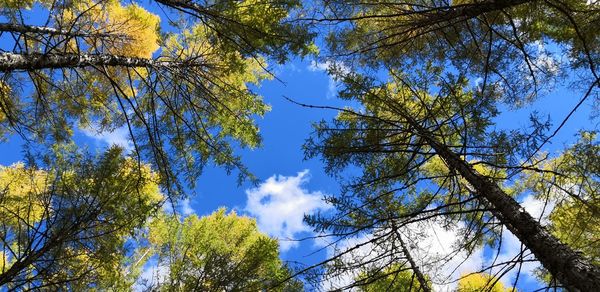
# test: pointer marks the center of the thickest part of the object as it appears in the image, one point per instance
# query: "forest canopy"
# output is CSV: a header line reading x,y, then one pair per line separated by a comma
x,y
458,144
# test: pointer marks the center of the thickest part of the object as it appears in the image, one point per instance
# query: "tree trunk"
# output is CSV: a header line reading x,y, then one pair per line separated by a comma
x,y
35,61
34,29
567,266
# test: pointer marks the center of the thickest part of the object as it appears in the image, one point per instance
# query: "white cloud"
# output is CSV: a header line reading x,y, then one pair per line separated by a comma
x,y
279,204
509,251
186,208
336,69
440,241
315,66
364,252
538,209
430,245
434,249
151,276
287,67
119,136
478,81
183,207
293,68
545,61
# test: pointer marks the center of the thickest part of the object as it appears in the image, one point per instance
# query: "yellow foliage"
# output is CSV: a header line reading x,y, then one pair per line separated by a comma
x,y
435,166
139,27
574,220
480,282
193,43
16,4
578,227
20,190
116,198
4,262
135,29
210,242
150,189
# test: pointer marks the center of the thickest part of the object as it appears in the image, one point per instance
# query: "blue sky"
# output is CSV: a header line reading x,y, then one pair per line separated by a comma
x,y
290,185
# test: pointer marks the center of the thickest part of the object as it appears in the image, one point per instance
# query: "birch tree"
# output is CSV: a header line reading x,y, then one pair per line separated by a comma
x,y
180,89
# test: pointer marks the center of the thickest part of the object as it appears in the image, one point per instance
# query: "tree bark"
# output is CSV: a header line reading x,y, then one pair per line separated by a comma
x,y
34,29
36,61
571,269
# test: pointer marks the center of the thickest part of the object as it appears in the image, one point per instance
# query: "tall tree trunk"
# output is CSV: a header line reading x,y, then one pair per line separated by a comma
x,y
34,29
36,61
568,266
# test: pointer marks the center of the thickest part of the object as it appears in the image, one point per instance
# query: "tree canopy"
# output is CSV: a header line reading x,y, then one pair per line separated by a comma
x,y
73,228
66,226
418,144
216,252
179,88
425,135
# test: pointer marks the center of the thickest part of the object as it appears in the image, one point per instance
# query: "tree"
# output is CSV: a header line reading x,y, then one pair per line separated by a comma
x,y
94,223
180,89
216,252
508,44
424,136
66,227
395,139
